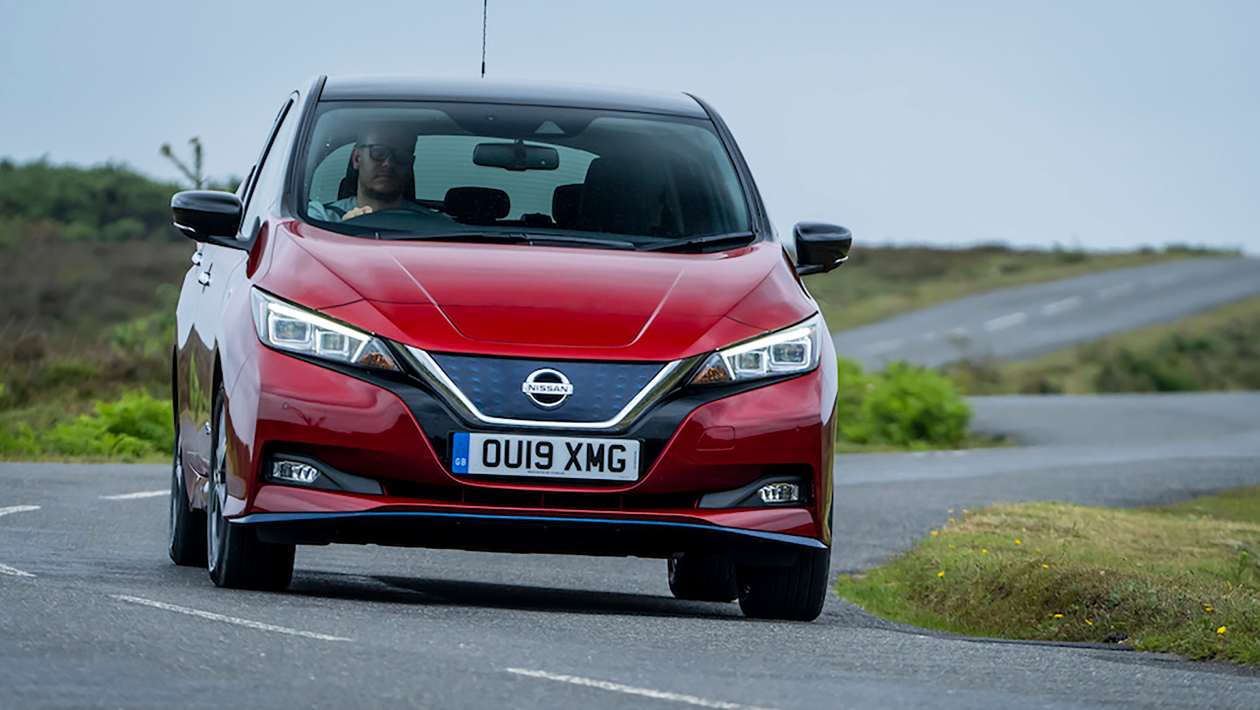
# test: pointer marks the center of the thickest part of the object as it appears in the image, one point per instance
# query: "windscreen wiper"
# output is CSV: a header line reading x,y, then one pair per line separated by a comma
x,y
500,237
567,239
517,238
737,238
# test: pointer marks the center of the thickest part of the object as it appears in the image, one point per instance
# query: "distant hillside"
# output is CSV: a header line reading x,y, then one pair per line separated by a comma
x,y
105,203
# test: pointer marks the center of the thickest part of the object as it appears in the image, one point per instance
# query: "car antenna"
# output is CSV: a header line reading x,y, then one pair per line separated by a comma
x,y
484,9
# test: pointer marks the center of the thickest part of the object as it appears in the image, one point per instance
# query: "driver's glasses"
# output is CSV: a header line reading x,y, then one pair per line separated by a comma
x,y
381,153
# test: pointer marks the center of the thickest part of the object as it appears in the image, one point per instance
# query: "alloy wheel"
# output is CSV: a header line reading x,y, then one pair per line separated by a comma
x,y
218,492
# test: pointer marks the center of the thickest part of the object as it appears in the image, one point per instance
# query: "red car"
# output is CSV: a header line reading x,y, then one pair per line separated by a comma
x,y
509,318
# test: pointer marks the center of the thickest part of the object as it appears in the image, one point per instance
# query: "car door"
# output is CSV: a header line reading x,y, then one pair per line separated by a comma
x,y
216,271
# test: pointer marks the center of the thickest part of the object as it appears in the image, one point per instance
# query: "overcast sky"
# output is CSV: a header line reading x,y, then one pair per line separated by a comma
x,y
1099,124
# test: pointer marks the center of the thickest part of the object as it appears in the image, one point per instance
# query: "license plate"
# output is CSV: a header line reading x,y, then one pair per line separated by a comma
x,y
547,456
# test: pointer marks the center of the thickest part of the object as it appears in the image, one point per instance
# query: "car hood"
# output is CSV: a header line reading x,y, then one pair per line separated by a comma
x,y
533,300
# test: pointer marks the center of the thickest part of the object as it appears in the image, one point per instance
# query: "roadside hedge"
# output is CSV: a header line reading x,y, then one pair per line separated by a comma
x,y
903,406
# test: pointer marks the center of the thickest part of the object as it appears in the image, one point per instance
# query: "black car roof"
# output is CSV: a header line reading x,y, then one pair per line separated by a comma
x,y
484,90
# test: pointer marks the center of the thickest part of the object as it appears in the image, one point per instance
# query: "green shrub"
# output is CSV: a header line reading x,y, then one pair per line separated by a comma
x,y
854,385
905,406
18,442
133,427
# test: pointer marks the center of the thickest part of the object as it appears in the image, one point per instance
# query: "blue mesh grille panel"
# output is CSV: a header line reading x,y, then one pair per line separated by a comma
x,y
600,389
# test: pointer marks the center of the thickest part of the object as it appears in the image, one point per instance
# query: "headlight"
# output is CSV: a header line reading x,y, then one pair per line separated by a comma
x,y
784,352
286,327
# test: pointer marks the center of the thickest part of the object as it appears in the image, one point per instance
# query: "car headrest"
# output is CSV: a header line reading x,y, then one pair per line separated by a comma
x,y
565,201
621,195
477,205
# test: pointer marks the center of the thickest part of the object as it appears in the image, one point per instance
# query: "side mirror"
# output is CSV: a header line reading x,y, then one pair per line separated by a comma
x,y
820,247
208,216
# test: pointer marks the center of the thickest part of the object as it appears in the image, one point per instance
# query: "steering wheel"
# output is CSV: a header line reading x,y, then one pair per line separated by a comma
x,y
398,218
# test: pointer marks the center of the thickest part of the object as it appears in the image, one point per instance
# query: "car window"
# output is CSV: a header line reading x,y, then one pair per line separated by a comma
x,y
260,193
520,168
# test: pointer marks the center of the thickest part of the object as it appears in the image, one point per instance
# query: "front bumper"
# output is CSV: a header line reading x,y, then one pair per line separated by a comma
x,y
393,431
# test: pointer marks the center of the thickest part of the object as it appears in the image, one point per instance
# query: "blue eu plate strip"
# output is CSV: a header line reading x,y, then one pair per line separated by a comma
x,y
459,452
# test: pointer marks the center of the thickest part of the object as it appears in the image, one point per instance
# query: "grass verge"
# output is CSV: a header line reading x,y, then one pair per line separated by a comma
x,y
1182,579
1216,350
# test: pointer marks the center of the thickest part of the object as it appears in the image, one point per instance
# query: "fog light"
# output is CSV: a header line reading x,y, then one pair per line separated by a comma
x,y
773,493
294,471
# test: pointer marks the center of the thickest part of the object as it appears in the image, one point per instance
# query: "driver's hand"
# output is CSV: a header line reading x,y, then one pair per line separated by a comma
x,y
357,212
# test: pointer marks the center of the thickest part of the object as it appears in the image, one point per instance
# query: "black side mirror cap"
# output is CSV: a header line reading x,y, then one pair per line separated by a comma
x,y
820,247
208,216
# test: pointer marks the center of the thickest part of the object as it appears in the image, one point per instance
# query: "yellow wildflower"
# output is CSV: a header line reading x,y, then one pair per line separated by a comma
x,y
1089,623
1220,630
1018,541
941,573
1058,616
1045,566
984,550
1207,608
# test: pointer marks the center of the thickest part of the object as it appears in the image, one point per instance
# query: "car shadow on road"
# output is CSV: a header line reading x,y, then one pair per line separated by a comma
x,y
489,595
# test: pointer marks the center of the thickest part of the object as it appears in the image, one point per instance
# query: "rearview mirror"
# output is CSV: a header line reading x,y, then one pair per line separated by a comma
x,y
516,156
208,216
820,247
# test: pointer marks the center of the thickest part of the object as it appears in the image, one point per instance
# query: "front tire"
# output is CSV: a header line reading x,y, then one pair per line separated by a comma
x,y
235,557
185,527
792,593
702,577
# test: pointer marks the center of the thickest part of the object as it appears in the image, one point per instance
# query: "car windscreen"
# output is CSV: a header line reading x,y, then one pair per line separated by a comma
x,y
416,169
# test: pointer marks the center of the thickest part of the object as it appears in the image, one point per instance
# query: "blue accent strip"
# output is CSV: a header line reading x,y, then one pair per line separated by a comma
x,y
459,452
260,518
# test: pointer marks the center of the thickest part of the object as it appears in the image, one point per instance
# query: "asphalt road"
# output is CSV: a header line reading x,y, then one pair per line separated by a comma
x,y
1031,320
93,615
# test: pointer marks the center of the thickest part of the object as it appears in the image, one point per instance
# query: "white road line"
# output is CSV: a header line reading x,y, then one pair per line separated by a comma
x,y
631,690
137,494
14,571
1117,290
1009,320
884,346
18,509
1063,306
227,619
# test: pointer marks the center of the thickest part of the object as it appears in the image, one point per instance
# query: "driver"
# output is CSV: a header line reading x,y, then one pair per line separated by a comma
x,y
382,157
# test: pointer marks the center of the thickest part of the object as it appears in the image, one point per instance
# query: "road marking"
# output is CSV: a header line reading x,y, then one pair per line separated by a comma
x,y
227,619
14,571
1117,290
1009,320
137,494
1063,306
18,509
884,346
631,690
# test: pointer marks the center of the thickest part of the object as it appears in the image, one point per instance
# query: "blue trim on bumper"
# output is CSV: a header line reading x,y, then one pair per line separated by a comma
x,y
263,518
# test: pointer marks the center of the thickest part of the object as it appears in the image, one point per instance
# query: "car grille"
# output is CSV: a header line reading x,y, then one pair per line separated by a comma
x,y
600,389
